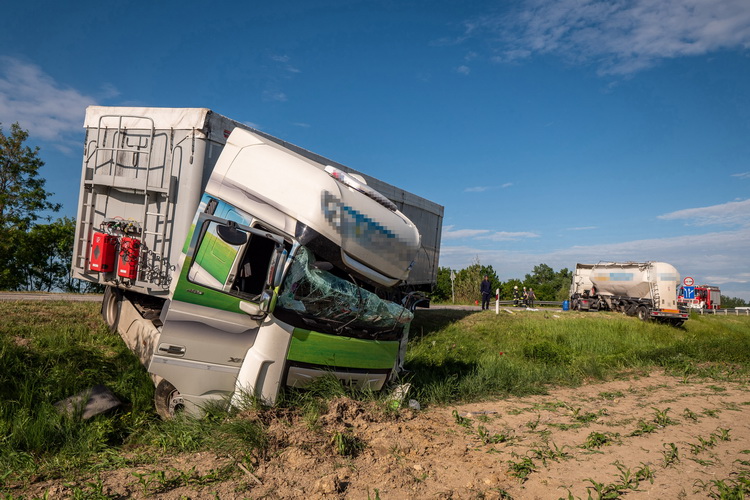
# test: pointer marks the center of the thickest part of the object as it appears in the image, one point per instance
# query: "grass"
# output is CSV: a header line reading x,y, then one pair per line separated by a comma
x,y
466,356
52,350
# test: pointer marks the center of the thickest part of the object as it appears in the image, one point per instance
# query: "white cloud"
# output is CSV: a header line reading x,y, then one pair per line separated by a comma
x,y
450,234
509,236
619,36
480,189
743,175
48,110
582,228
732,213
274,95
477,189
463,69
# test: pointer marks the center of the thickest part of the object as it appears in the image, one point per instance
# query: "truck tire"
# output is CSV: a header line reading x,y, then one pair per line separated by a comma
x,y
642,313
168,400
111,304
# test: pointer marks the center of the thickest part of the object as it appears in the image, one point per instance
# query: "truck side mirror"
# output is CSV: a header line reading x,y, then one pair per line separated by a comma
x,y
230,234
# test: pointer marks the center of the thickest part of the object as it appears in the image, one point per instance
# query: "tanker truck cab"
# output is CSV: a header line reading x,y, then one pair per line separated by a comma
x,y
285,276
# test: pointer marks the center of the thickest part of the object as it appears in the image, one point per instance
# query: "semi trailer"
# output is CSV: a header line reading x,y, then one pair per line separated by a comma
x,y
644,289
236,263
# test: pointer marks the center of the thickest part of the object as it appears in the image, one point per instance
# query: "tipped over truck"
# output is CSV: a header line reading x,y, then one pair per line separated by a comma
x,y
236,263
644,289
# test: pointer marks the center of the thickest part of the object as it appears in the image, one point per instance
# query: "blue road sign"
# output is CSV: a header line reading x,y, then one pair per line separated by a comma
x,y
688,292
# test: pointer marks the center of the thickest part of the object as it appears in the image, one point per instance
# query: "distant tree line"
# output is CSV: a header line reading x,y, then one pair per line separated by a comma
x,y
547,283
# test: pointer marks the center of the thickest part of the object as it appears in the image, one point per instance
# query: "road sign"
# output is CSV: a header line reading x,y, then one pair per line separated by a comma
x,y
688,281
688,292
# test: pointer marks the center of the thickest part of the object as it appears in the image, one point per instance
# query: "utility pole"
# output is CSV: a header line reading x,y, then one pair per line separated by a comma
x,y
453,288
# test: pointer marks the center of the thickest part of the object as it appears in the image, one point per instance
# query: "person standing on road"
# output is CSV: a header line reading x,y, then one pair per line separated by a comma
x,y
532,297
515,296
486,291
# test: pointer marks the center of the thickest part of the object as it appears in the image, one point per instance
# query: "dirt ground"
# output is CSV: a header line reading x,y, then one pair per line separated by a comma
x,y
651,436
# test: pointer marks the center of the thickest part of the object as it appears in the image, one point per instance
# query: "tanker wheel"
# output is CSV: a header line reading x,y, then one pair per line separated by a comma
x,y
111,304
642,313
168,400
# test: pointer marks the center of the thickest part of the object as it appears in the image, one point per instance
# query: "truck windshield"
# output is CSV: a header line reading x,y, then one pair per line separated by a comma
x,y
331,304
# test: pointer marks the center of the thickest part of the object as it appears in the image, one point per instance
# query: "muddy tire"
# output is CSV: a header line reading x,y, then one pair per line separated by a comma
x,y
111,304
168,400
642,313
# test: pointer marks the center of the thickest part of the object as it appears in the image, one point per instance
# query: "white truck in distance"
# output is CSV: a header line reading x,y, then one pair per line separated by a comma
x,y
644,289
236,263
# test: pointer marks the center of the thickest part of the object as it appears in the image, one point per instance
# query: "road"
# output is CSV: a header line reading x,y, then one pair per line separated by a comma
x,y
37,296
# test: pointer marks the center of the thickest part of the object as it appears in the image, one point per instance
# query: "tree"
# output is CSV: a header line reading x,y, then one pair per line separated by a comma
x,y
442,290
22,193
43,256
22,198
731,303
548,284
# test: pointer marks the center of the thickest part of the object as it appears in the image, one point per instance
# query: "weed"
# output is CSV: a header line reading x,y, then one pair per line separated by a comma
x,y
532,424
643,428
488,438
346,444
644,473
599,439
462,421
547,453
722,434
611,395
713,413
587,416
705,463
661,418
691,415
522,468
604,491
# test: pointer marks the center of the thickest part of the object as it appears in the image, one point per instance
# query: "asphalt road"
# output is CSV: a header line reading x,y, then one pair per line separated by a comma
x,y
38,296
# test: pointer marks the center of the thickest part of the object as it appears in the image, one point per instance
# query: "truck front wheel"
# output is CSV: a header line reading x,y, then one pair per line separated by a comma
x,y
168,400
642,313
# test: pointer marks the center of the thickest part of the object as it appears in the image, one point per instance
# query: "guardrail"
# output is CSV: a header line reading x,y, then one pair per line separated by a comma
x,y
725,312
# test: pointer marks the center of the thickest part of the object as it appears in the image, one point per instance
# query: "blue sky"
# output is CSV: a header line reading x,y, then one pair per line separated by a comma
x,y
553,131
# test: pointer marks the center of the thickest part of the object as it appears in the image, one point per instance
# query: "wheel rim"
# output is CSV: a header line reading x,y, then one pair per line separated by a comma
x,y
175,402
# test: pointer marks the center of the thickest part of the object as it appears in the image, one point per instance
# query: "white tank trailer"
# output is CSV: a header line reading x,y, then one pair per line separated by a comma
x,y
644,289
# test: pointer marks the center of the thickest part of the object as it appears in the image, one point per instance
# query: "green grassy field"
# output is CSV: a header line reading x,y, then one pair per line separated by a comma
x,y
52,350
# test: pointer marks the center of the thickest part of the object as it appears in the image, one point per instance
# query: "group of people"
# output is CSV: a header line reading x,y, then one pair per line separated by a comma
x,y
526,298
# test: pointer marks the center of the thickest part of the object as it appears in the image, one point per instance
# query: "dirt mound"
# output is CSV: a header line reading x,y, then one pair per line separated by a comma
x,y
646,437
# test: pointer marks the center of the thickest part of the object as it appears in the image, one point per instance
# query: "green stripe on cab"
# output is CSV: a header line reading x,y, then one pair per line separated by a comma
x,y
341,352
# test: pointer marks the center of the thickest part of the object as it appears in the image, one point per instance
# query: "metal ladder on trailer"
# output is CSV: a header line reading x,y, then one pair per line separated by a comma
x,y
106,162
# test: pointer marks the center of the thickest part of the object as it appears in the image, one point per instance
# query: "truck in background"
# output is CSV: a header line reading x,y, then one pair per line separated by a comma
x,y
704,297
236,263
644,289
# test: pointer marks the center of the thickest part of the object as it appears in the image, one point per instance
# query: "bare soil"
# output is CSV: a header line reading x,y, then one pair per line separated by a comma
x,y
652,436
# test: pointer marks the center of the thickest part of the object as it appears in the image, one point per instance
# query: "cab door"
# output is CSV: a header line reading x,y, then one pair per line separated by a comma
x,y
222,296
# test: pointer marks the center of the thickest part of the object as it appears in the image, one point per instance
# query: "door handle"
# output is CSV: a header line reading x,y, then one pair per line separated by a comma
x,y
177,350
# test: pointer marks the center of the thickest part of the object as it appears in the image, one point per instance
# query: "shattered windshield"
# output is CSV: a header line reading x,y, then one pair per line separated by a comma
x,y
318,294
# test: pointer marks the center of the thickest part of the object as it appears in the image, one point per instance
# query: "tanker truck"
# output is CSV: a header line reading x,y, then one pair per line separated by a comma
x,y
236,264
644,289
